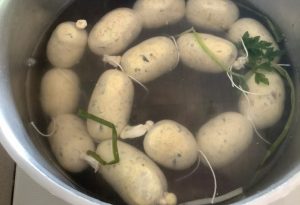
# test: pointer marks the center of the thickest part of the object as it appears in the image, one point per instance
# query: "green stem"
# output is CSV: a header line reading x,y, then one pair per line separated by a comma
x,y
236,74
116,159
96,157
212,56
202,44
186,31
283,135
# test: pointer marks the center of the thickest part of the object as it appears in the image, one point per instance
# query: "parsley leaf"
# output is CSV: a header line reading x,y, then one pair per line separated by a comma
x,y
261,78
261,56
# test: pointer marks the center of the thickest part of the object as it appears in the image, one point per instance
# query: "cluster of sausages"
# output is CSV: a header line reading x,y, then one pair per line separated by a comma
x,y
136,177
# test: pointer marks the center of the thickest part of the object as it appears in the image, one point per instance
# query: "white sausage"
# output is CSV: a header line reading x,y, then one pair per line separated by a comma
x,y
193,56
60,91
114,32
212,15
150,59
111,100
67,44
223,138
255,28
135,178
70,142
159,13
266,106
171,145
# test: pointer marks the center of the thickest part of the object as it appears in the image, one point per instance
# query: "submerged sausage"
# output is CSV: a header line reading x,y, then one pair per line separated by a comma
x,y
150,59
60,92
212,15
158,13
67,44
171,145
195,57
70,142
111,100
266,105
223,138
136,178
114,32
255,28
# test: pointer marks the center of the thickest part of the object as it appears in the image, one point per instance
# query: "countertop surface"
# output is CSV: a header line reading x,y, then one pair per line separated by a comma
x,y
27,192
7,168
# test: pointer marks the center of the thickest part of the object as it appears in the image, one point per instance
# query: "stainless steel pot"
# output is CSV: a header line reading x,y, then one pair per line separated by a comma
x,y
22,25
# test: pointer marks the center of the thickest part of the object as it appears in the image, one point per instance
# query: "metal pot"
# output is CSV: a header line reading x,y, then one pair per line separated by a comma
x,y
22,25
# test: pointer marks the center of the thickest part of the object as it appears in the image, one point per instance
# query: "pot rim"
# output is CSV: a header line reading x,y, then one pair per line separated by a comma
x,y
11,126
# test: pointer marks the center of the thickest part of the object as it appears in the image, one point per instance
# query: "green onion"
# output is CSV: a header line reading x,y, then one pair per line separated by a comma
x,y
86,115
96,157
202,44
283,135
213,57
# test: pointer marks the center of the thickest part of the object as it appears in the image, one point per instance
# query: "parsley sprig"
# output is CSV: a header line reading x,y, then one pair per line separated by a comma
x,y
261,55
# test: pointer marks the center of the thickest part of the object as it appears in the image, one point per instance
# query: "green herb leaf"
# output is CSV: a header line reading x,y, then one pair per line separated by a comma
x,y
86,115
261,78
261,56
259,51
264,66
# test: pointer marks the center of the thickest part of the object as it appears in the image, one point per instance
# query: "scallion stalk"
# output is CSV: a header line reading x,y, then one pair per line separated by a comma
x,y
85,115
284,133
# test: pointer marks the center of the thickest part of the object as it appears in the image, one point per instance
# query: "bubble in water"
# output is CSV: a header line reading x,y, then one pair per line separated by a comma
x,y
31,62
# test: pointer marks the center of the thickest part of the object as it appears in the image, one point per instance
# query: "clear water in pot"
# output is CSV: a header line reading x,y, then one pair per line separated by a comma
x,y
183,95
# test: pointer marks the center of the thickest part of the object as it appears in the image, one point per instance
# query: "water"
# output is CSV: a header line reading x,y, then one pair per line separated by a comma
x,y
183,95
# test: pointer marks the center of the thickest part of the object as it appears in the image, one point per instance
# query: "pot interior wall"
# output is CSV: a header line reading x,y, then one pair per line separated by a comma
x,y
285,15
27,25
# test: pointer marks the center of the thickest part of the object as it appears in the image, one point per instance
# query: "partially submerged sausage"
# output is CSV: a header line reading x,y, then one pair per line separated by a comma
x,y
111,100
70,142
67,44
60,92
137,179
255,28
212,15
266,105
158,13
195,57
114,32
171,145
150,59
223,138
